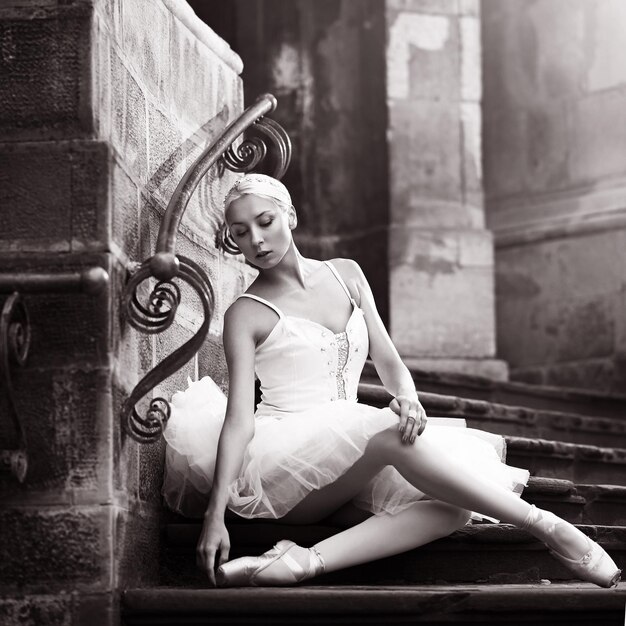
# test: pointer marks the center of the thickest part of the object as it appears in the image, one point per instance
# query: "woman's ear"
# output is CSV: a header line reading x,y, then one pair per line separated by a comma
x,y
293,218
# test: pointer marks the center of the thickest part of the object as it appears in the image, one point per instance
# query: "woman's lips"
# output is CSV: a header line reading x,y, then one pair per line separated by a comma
x,y
262,254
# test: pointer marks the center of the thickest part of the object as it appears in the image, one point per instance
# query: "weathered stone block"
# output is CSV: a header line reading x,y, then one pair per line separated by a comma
x,y
493,369
471,133
102,89
469,7
67,435
203,74
564,297
433,277
137,545
606,69
169,155
54,549
145,43
54,196
599,136
45,75
96,610
125,215
37,610
470,58
475,248
423,57
424,157
424,6
128,118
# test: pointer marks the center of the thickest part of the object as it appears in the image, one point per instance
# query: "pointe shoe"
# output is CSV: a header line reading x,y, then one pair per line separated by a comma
x,y
595,565
244,572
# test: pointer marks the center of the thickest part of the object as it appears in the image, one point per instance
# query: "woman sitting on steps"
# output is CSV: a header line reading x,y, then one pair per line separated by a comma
x,y
311,449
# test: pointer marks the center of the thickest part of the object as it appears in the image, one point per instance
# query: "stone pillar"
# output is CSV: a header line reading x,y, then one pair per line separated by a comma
x,y
101,111
555,179
440,254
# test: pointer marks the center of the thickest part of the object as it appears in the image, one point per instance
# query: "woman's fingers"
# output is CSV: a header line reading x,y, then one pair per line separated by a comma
x,y
403,406
410,431
206,562
412,417
420,423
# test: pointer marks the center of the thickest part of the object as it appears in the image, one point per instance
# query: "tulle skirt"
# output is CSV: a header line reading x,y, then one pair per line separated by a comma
x,y
292,455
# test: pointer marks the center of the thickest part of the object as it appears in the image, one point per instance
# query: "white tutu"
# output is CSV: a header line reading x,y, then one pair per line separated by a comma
x,y
290,456
191,435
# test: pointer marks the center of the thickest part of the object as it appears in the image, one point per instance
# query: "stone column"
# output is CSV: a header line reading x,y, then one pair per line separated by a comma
x,y
440,254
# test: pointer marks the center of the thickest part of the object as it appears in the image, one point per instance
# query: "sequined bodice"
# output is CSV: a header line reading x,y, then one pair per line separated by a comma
x,y
343,348
302,364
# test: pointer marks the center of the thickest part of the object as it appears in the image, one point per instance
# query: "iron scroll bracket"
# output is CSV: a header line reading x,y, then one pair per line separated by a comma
x,y
156,313
15,341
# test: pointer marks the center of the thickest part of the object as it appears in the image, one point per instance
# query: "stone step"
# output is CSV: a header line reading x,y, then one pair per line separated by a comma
x,y
579,463
560,399
577,604
518,421
486,553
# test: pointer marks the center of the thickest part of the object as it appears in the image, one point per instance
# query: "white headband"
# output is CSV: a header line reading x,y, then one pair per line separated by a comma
x,y
259,185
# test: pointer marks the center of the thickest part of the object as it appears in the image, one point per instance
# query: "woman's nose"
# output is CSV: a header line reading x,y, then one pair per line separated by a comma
x,y
257,237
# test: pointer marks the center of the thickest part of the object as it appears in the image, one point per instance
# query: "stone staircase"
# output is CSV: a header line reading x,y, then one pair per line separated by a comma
x,y
483,574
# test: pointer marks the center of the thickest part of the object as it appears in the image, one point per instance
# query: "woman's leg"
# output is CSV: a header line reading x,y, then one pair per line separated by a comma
x,y
377,537
430,470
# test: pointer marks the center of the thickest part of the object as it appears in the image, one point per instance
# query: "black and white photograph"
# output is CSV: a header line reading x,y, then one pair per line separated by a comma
x,y
312,312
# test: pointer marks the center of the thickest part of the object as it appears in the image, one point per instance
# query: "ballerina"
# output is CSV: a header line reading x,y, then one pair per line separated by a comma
x,y
310,449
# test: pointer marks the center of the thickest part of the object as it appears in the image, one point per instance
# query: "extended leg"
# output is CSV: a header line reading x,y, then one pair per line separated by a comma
x,y
440,476
378,537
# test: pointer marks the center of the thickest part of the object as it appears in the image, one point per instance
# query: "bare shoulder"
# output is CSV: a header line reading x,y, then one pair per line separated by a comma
x,y
352,275
240,315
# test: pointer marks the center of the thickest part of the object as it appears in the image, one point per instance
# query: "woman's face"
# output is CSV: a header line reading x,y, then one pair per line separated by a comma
x,y
260,229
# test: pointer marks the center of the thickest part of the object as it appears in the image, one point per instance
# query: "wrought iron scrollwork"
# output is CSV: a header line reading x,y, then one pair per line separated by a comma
x,y
15,340
155,317
14,345
159,311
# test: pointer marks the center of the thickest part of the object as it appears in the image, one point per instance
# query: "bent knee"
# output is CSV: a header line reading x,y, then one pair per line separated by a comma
x,y
384,443
388,444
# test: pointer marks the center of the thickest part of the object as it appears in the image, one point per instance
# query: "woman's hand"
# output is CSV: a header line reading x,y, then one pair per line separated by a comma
x,y
412,416
213,538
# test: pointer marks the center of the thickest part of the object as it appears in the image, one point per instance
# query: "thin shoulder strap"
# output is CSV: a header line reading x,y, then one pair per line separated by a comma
x,y
263,301
338,277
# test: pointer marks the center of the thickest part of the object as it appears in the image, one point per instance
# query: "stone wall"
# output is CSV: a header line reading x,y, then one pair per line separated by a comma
x,y
441,255
555,179
104,104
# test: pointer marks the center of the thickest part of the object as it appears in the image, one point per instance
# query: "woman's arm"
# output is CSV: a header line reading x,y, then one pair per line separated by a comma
x,y
237,431
393,373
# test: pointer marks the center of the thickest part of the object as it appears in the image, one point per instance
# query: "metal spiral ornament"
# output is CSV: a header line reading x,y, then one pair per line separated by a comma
x,y
248,154
153,318
253,150
160,311
224,240
15,336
